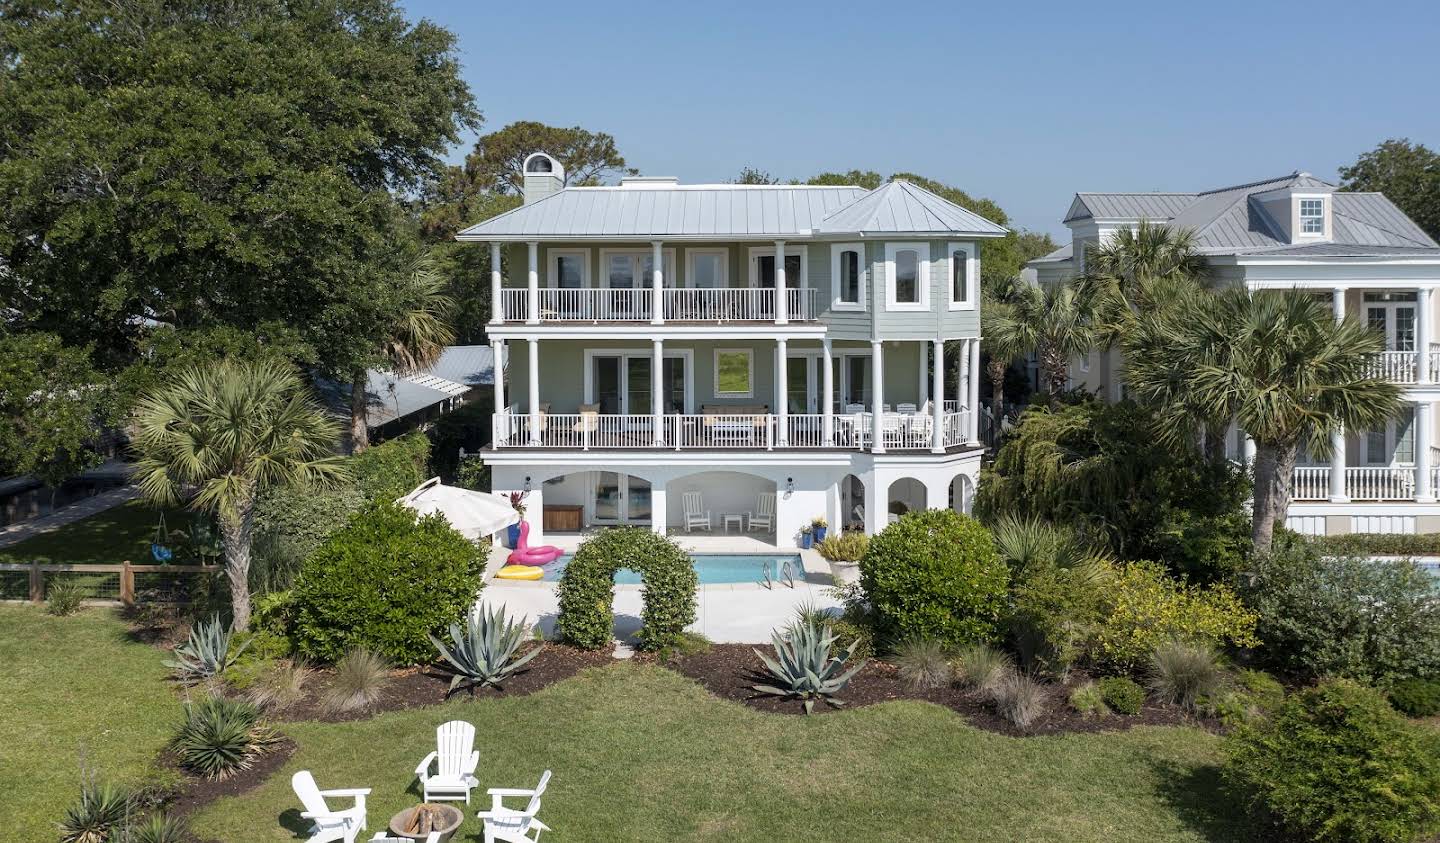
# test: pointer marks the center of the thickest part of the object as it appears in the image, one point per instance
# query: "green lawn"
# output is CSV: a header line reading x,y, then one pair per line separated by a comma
x,y
107,538
77,693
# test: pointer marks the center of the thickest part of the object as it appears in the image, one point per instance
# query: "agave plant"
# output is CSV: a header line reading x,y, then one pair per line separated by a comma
x,y
102,809
221,736
806,666
207,653
483,652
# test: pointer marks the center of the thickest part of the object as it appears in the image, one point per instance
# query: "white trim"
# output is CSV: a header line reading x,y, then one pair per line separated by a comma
x,y
715,383
668,331
836,302
552,270
923,281
1300,232
972,273
685,354
724,255
642,280
799,249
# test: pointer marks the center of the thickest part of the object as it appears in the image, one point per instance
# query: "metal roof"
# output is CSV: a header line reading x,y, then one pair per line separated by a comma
x,y
391,396
1064,253
666,210
1150,206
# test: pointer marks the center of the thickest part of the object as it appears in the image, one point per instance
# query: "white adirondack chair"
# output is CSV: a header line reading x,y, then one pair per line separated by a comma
x,y
764,516
696,515
513,826
454,761
329,824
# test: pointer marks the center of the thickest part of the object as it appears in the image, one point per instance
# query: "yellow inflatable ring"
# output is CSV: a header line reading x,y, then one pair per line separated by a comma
x,y
520,572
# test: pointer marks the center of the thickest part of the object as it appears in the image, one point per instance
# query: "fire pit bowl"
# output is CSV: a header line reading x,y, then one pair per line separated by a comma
x,y
445,819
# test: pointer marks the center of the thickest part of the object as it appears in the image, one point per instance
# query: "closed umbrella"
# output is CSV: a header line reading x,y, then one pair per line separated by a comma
x,y
474,514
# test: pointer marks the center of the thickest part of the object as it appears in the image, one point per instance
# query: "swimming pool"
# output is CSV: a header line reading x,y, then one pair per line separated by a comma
x,y
713,568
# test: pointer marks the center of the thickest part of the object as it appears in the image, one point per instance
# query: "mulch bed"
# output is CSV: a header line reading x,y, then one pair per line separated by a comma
x,y
729,670
197,792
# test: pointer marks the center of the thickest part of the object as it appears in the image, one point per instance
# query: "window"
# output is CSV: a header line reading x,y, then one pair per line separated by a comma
x,y
734,372
907,270
847,276
706,269
569,270
765,270
632,269
1312,216
963,272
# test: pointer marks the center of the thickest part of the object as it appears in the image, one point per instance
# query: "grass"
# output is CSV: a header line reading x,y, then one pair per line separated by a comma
x,y
106,538
77,693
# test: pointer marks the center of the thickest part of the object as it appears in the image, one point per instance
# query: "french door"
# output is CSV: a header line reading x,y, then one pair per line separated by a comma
x,y
620,499
621,384
1394,318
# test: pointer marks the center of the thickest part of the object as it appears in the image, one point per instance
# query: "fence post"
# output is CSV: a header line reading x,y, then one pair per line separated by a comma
x,y
127,584
37,584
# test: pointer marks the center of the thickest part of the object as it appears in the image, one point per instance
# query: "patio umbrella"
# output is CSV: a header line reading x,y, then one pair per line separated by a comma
x,y
474,514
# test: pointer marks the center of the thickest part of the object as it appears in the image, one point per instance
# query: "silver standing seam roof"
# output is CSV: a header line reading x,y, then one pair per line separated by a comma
x,y
668,210
460,369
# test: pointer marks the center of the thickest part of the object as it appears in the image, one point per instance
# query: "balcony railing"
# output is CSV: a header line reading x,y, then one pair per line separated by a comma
x,y
636,304
853,431
1384,483
1395,366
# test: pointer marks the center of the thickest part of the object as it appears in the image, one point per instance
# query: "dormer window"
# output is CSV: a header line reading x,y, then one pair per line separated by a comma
x,y
1312,216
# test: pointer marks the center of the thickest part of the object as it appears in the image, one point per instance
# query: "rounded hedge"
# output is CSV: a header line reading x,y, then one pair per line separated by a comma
x,y
587,588
1336,763
935,574
1416,697
384,583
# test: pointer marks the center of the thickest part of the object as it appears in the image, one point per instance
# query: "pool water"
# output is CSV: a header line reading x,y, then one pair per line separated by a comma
x,y
713,568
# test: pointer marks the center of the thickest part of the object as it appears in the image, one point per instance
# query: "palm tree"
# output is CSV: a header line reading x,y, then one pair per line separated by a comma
x,y
219,435
995,296
1281,365
414,340
1058,322
1133,261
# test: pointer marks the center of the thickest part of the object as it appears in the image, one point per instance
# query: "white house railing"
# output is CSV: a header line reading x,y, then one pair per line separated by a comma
x,y
1310,483
635,304
1395,366
1382,483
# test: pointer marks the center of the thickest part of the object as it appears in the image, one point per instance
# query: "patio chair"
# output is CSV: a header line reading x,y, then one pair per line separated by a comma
x,y
696,515
906,408
329,824
589,421
513,826
454,761
764,512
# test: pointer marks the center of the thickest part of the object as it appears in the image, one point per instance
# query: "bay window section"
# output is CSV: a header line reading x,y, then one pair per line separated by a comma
x,y
846,276
907,276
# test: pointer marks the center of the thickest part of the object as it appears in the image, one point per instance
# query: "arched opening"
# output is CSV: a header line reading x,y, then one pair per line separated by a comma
x,y
962,494
905,495
852,503
722,503
583,500
539,163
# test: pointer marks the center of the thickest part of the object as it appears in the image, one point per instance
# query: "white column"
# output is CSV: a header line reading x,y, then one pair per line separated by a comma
x,y
782,301
497,305
1422,335
827,396
937,398
497,353
657,400
658,509
1337,464
782,394
532,282
1337,302
1249,450
972,397
877,400
657,282
534,390
922,383
1424,491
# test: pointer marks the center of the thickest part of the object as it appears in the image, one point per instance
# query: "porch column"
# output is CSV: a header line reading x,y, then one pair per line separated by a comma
x,y
782,301
497,305
962,384
658,510
1422,335
1337,464
1424,492
1250,450
657,282
497,353
937,398
532,282
877,392
534,391
827,395
922,383
657,400
972,398
1337,302
782,394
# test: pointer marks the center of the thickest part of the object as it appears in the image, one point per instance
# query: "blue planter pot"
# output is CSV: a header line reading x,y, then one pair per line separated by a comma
x,y
819,534
512,534
805,540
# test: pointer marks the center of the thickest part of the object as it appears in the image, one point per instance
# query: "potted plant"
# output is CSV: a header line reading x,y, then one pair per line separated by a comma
x,y
843,552
517,502
805,537
818,528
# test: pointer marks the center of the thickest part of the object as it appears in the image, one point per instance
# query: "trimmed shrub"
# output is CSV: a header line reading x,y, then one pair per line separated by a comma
x,y
221,736
1377,544
923,663
935,574
587,588
1182,673
1147,608
1122,694
385,583
1088,700
1416,697
1343,616
1336,763
391,469
1263,689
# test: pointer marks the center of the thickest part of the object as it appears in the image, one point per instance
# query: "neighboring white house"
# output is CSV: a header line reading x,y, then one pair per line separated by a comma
x,y
649,354
1367,258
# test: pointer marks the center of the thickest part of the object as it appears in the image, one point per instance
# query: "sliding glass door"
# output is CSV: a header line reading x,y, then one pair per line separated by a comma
x,y
621,384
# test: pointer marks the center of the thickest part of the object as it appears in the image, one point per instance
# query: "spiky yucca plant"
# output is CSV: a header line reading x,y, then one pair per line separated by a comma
x,y
484,650
221,736
102,809
207,652
806,666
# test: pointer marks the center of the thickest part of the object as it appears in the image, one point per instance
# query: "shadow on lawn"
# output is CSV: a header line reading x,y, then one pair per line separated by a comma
x,y
1202,800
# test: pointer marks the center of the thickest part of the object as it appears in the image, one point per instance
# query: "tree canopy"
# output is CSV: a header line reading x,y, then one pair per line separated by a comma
x,y
1408,173
52,401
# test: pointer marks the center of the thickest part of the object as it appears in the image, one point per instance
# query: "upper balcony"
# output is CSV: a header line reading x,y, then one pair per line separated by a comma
x,y
705,304
1405,366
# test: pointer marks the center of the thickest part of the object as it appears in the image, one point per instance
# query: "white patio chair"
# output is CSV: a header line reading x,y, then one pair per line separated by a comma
x,y
696,515
906,408
852,409
764,516
507,824
454,760
329,824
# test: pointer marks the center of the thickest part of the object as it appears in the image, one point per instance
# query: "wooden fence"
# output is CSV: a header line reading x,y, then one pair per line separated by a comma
x,y
124,583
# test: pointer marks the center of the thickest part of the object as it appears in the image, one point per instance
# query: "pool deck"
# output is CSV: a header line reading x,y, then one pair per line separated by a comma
x,y
726,613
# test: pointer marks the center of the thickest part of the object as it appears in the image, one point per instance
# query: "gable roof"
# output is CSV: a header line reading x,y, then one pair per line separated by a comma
x,y
1151,206
670,211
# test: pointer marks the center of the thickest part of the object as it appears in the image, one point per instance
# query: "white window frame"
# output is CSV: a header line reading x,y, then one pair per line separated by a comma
x,y
757,252
836,302
552,266
667,258
923,279
715,373
686,355
972,274
691,254
1301,218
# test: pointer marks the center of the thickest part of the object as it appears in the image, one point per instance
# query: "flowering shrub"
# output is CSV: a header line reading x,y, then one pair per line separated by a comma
x,y
1146,608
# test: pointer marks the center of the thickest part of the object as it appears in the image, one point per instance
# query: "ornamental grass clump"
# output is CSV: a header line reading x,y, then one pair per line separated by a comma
x,y
1183,674
359,678
923,664
221,737
281,686
484,651
1088,701
979,666
806,666
63,598
206,654
1019,698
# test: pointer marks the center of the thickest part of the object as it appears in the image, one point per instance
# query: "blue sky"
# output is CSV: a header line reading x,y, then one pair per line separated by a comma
x,y
1023,103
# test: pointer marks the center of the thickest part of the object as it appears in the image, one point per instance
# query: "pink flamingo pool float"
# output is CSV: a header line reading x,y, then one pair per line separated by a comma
x,y
524,554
